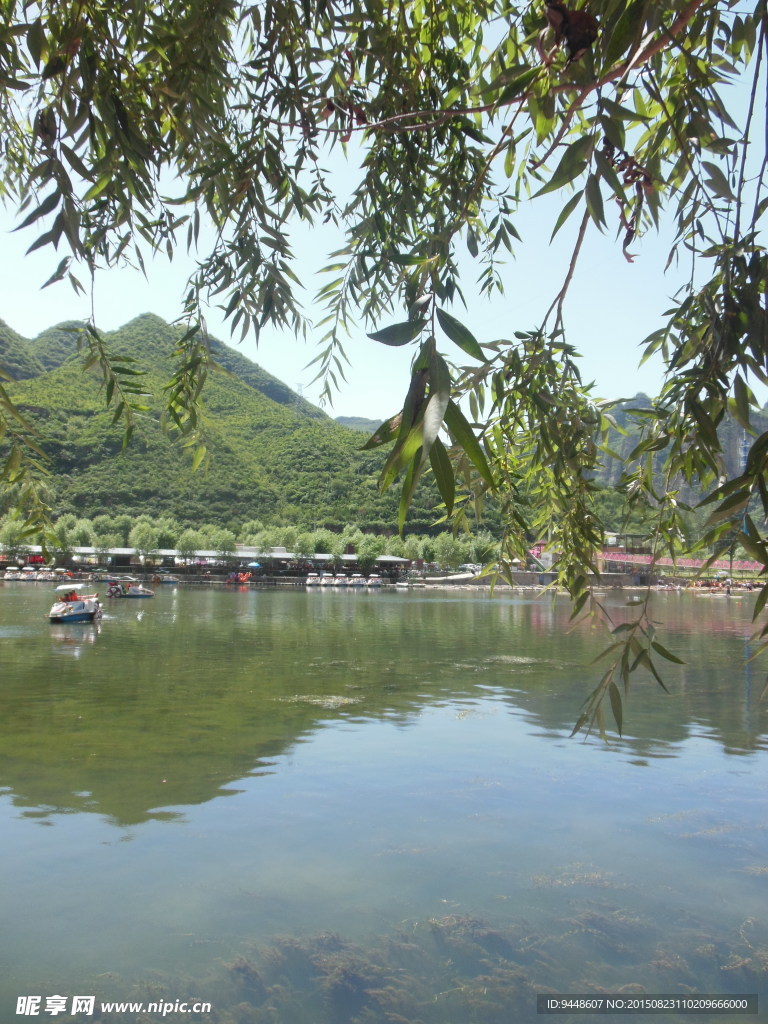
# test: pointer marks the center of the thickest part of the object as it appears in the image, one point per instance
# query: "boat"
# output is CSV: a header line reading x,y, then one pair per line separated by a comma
x,y
74,606
374,581
358,580
12,574
121,589
312,580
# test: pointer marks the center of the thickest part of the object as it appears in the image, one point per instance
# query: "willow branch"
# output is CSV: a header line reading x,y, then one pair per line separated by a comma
x,y
559,299
745,141
428,119
564,126
647,49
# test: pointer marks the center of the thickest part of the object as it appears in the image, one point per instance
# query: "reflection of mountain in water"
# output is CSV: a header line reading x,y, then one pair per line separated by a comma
x,y
173,707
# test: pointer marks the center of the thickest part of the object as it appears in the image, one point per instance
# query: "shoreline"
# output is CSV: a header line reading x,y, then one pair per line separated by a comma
x,y
521,580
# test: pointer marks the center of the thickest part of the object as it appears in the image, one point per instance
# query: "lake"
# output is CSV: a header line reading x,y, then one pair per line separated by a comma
x,y
332,807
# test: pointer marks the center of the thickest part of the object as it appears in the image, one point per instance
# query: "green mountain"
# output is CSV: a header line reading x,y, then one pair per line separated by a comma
x,y
359,423
16,357
273,456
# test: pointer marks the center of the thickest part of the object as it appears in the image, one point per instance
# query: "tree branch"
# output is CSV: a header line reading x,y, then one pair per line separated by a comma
x,y
647,49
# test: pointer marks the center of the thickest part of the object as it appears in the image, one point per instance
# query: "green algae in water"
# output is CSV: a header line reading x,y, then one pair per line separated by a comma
x,y
459,968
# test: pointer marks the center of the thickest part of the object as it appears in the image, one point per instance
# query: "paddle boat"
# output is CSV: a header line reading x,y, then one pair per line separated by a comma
x,y
164,577
135,590
73,606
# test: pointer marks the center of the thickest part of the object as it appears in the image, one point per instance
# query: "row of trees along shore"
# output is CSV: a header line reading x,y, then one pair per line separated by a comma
x,y
450,130
147,535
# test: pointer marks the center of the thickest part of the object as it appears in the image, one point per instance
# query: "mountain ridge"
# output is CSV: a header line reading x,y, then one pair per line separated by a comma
x,y
24,358
274,456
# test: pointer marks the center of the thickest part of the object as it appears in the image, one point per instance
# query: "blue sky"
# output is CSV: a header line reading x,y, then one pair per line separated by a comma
x,y
612,306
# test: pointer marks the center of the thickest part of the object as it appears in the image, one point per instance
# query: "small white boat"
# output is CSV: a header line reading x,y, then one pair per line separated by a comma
x,y
134,590
357,580
312,580
374,581
12,574
74,606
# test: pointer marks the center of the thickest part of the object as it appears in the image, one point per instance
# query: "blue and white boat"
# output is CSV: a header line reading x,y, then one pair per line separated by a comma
x,y
73,606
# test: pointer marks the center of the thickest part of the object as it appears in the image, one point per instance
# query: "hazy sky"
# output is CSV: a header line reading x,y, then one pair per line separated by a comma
x,y
612,306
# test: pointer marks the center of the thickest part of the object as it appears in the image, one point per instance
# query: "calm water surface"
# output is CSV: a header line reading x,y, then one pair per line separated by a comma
x,y
365,807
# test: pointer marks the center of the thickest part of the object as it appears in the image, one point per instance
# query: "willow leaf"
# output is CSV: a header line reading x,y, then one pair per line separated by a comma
x,y
460,335
464,437
443,472
399,334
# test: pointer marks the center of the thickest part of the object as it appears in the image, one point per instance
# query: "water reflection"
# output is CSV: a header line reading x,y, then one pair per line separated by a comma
x,y
183,698
337,808
74,638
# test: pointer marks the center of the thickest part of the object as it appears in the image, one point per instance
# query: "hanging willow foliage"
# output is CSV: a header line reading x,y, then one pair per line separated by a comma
x,y
126,127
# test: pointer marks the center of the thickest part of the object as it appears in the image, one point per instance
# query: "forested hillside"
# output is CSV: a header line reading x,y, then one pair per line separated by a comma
x,y
361,423
273,456
17,360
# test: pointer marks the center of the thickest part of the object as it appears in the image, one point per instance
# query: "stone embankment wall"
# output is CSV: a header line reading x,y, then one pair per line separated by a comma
x,y
533,579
